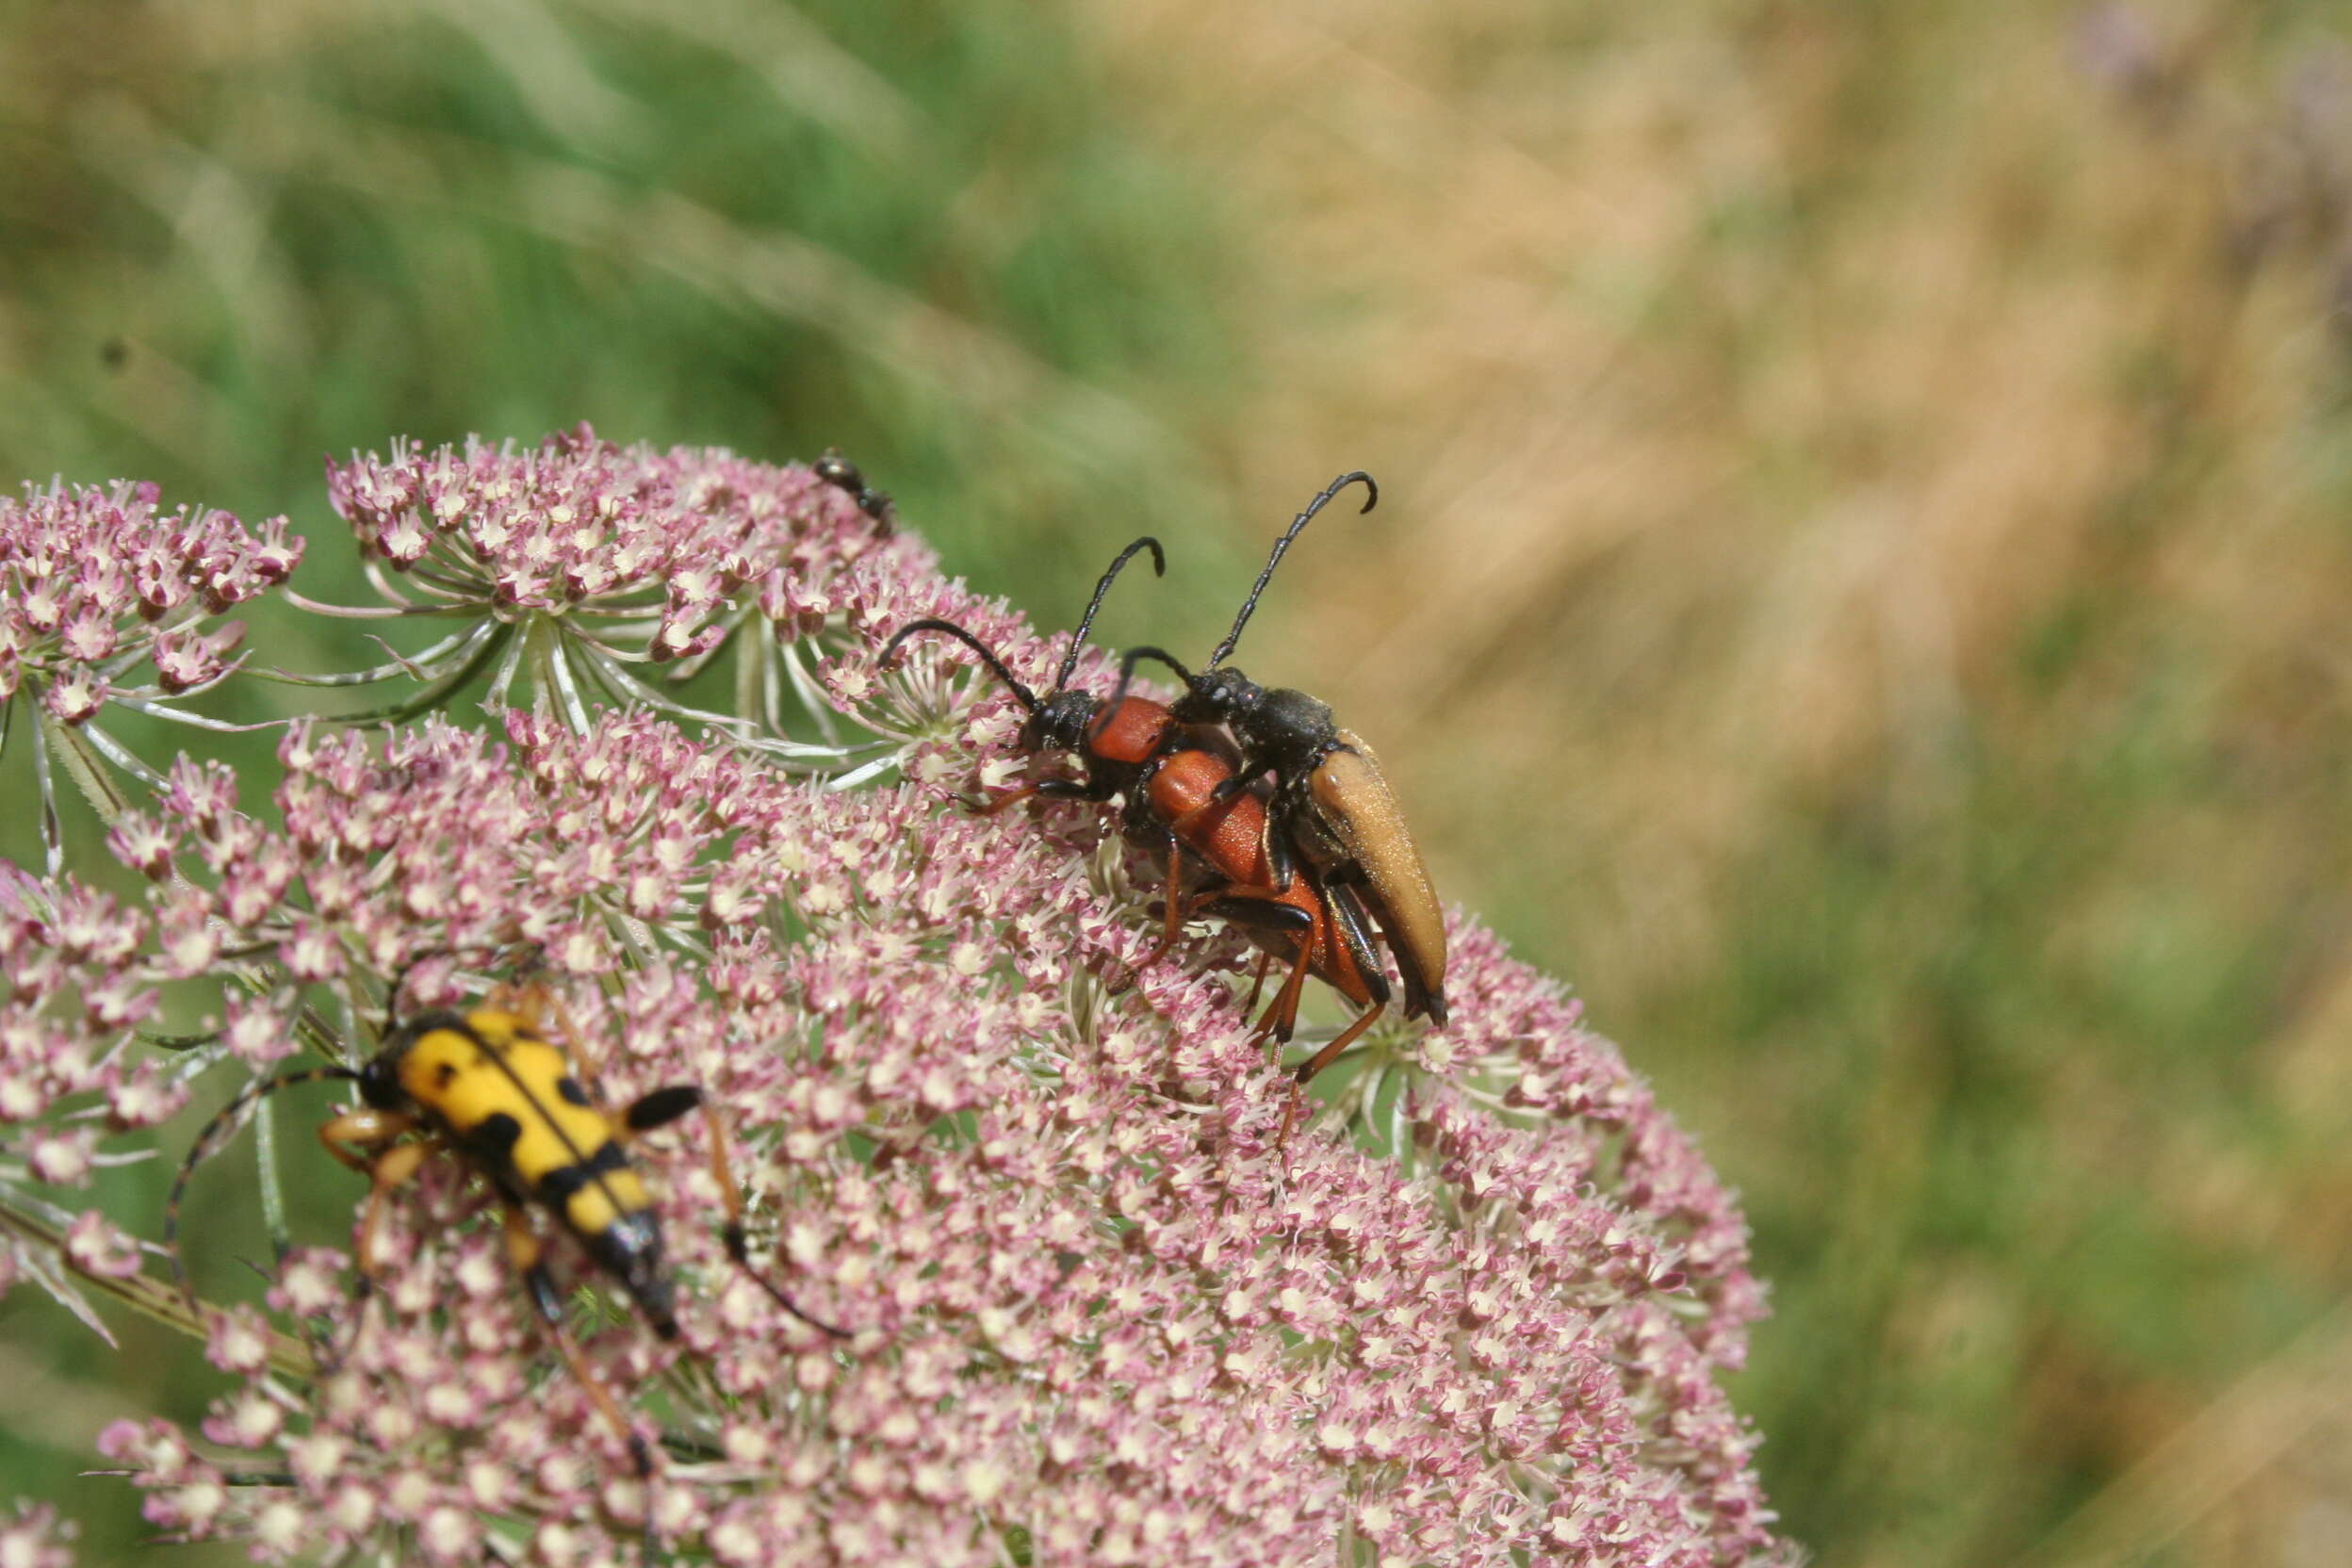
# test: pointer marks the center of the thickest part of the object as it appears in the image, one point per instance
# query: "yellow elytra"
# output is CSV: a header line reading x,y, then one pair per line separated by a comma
x,y
486,1086
510,1102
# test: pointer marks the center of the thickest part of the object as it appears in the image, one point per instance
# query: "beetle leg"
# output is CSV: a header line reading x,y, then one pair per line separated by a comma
x,y
395,1168
1293,798
367,1129
577,1045
528,1258
1279,811
1182,824
1347,922
1245,773
1340,1042
1282,1017
524,999
1176,902
1351,934
737,1247
1257,982
1008,799
1316,1063
662,1106
1262,914
1051,788
1253,909
1177,906
1278,864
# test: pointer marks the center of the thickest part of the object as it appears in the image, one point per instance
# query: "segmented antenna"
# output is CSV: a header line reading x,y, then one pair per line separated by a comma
x,y
1085,622
216,1132
1127,676
1371,497
988,655
1077,638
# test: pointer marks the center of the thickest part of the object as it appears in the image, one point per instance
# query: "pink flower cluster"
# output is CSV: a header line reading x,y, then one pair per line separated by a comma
x,y
36,1538
75,987
582,525
580,848
1473,1314
94,583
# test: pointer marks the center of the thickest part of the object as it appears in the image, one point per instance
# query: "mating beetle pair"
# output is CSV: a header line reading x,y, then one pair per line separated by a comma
x,y
1308,872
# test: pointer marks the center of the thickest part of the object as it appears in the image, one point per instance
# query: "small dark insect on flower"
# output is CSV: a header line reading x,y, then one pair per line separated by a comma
x,y
843,475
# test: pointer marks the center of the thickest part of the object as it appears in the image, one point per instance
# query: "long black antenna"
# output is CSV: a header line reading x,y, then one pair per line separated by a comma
x,y
1371,499
1127,677
1085,622
988,656
216,1132
1077,638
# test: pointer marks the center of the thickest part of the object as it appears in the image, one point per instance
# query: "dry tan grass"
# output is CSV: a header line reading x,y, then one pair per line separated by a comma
x,y
1756,390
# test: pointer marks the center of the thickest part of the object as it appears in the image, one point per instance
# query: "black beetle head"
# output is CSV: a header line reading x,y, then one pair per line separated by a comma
x,y
1219,696
1059,723
379,1081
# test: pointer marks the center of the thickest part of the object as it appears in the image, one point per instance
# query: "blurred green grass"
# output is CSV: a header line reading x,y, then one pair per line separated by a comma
x,y
1858,588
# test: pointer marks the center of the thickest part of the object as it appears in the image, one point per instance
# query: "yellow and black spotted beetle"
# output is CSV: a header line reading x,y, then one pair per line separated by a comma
x,y
487,1086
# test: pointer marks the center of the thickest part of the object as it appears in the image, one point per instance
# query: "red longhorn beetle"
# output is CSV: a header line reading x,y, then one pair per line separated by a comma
x,y
1314,926
1179,800
1331,801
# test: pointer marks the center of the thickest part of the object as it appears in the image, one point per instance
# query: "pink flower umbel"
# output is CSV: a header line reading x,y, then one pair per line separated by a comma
x,y
1472,1312
106,601
94,583
583,567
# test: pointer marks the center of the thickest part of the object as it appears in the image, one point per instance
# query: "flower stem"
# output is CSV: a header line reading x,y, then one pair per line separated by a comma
x,y
151,1298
